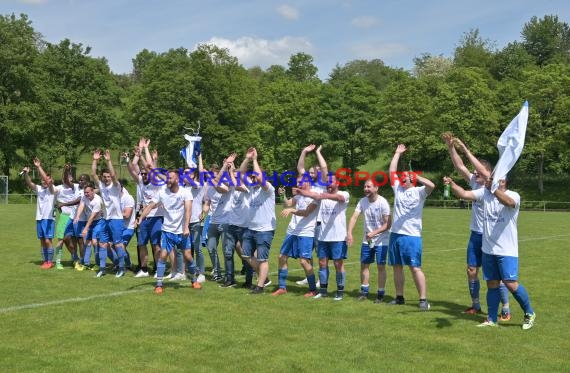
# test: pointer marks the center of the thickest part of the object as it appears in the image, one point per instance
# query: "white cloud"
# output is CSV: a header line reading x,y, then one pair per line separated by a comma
x,y
288,12
262,52
380,50
364,22
32,2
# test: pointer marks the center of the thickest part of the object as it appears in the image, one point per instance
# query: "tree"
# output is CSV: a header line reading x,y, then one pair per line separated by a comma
x,y
547,39
301,67
79,98
474,51
374,72
19,112
432,66
511,61
548,93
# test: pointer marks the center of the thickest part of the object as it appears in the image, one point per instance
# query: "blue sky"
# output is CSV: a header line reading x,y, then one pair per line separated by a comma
x,y
266,32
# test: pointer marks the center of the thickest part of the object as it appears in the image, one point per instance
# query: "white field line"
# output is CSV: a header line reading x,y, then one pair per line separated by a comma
x,y
127,292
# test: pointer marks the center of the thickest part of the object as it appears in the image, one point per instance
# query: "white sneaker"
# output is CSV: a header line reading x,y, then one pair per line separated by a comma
x,y
318,284
201,279
178,277
302,282
320,295
141,274
169,276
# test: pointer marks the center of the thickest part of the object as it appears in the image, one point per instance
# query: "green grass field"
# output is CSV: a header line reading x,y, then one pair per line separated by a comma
x,y
70,321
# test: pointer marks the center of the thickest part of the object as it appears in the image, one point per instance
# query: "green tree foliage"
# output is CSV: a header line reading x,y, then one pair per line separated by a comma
x,y
301,67
374,72
474,51
78,97
19,112
547,39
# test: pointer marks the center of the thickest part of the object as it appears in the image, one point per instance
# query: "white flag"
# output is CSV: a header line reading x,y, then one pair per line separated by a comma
x,y
191,151
510,146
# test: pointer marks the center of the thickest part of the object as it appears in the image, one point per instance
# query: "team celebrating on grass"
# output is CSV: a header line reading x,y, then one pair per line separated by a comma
x,y
178,216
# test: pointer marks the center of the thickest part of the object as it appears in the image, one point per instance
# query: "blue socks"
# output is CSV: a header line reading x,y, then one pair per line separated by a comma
x,y
474,287
522,298
160,268
364,289
121,257
493,300
49,254
340,280
87,255
312,282
282,273
102,258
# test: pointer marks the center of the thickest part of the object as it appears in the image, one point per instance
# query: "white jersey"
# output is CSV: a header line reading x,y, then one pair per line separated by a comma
x,y
111,196
213,196
408,209
94,206
303,226
45,203
128,201
262,209
333,219
148,192
239,208
197,201
84,216
65,195
477,212
173,204
221,212
500,234
374,213
318,188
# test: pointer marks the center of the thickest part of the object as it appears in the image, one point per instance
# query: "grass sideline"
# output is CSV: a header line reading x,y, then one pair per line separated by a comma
x,y
67,320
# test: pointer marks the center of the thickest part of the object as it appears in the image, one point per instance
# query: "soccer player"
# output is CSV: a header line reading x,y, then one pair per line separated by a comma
x,y
298,242
196,218
110,190
377,223
476,180
177,203
44,211
237,220
332,237
67,201
319,178
129,217
261,223
149,229
500,246
93,209
405,247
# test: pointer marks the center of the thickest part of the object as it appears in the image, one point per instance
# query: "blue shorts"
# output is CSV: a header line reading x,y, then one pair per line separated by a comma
x,y
367,254
113,232
297,247
498,267
127,235
69,229
335,250
78,228
150,229
257,241
45,228
95,229
170,241
474,252
405,250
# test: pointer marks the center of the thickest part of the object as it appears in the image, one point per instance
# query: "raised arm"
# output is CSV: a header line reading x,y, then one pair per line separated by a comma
x,y
257,169
243,167
133,166
96,157
455,158
27,179
322,164
110,167
301,162
474,161
430,186
44,176
394,162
